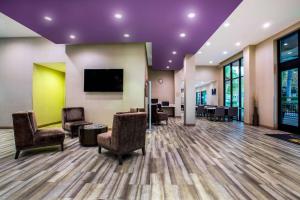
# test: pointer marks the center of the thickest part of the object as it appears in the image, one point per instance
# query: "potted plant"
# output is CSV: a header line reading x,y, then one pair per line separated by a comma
x,y
255,118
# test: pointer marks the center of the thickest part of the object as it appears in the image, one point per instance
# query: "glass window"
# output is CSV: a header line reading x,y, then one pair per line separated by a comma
x,y
289,97
235,69
228,93
235,93
242,67
289,48
242,92
234,86
227,72
197,98
203,97
242,114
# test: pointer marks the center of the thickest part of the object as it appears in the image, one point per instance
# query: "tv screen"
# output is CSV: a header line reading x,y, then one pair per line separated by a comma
x,y
103,80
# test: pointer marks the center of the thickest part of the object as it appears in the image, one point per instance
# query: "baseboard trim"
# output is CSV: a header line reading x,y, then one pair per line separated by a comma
x,y
268,127
190,124
263,126
49,124
6,127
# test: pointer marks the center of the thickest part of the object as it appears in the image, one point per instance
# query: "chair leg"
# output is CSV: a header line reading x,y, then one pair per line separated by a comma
x,y
99,149
62,146
143,150
17,154
120,159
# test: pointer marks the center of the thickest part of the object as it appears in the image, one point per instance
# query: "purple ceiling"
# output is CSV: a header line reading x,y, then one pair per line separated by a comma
x,y
156,21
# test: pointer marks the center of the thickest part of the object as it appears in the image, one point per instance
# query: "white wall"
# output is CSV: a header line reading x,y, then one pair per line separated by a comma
x,y
178,80
211,75
17,56
162,91
16,65
100,107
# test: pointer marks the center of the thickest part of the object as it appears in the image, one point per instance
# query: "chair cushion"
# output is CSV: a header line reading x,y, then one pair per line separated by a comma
x,y
48,136
75,114
104,139
68,125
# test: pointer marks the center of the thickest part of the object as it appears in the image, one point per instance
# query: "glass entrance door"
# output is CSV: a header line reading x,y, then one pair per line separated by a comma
x,y
289,100
288,82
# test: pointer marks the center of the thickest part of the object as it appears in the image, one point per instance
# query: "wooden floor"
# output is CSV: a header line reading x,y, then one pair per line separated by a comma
x,y
213,160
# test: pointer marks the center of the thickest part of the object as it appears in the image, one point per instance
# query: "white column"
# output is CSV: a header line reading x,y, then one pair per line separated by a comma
x,y
189,90
249,82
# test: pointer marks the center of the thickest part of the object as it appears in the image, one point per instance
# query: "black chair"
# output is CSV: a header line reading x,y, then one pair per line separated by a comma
x,y
200,112
159,107
219,113
233,113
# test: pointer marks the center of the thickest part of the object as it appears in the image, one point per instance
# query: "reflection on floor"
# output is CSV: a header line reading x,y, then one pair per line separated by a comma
x,y
213,160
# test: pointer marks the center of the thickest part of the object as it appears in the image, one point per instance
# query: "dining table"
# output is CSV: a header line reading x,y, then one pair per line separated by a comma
x,y
210,111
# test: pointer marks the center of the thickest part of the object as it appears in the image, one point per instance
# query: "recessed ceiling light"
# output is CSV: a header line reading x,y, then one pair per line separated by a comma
x,y
225,52
47,18
174,52
72,36
170,61
237,44
226,24
191,15
207,44
168,67
126,35
211,62
182,35
266,25
285,44
118,16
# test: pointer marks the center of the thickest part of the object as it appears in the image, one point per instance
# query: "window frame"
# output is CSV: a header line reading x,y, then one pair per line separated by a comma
x,y
239,77
283,66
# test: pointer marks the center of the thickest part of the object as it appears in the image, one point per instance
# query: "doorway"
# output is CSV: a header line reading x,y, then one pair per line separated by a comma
x,y
48,92
288,83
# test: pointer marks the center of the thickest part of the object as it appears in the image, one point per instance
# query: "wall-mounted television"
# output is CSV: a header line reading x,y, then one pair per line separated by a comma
x,y
103,80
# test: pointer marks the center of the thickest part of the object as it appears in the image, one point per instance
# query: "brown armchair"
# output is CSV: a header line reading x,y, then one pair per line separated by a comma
x,y
158,116
28,136
72,119
128,134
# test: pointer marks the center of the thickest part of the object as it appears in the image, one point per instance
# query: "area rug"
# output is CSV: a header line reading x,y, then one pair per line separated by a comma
x,y
293,138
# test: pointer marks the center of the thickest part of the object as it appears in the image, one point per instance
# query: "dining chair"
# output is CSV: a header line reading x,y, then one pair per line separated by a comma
x,y
233,113
219,113
200,111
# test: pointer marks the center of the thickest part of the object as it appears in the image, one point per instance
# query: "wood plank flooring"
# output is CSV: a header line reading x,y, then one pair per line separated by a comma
x,y
213,160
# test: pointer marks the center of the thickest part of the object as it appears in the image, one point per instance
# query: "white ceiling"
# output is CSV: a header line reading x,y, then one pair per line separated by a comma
x,y
246,27
11,28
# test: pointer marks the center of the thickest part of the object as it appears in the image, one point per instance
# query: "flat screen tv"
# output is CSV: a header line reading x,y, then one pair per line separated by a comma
x,y
103,80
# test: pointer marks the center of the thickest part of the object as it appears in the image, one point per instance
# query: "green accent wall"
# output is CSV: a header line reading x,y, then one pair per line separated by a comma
x,y
48,94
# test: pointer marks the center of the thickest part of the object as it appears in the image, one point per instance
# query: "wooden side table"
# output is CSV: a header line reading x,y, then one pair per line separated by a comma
x,y
88,134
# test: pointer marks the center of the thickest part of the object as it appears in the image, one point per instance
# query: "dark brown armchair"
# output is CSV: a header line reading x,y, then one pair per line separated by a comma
x,y
158,116
28,136
72,119
128,134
